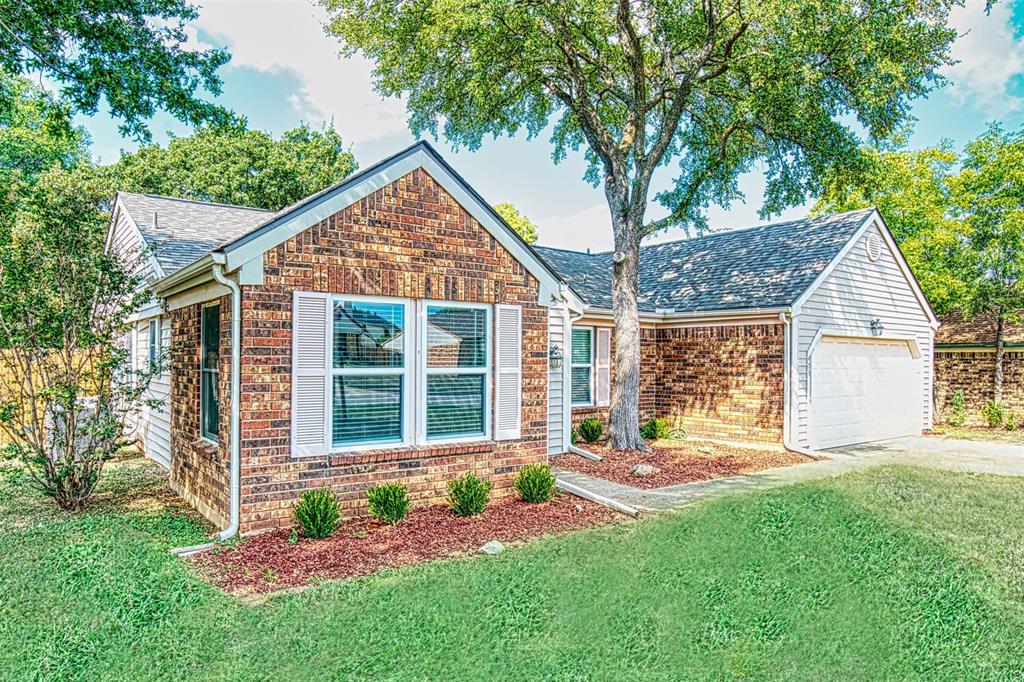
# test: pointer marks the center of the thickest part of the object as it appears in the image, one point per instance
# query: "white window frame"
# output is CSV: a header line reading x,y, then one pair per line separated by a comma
x,y
589,365
154,342
406,372
203,370
421,366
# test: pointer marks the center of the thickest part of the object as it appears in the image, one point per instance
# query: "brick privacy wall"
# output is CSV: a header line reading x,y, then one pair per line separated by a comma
x,y
199,470
974,372
721,382
409,239
648,388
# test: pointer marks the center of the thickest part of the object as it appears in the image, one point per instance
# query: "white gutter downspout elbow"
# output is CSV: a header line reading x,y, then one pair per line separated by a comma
x,y
236,392
787,387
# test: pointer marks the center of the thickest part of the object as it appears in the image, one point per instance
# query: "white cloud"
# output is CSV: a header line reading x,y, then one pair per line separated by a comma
x,y
990,56
288,36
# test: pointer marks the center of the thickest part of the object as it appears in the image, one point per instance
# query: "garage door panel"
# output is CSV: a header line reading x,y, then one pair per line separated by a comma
x,y
863,390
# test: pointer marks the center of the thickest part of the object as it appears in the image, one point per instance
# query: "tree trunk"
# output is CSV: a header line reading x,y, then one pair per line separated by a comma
x,y
624,417
997,388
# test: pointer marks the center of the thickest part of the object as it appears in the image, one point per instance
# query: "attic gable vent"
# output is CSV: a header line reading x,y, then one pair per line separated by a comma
x,y
873,246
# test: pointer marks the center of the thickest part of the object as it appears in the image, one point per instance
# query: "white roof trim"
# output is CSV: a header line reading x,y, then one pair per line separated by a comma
x,y
874,218
258,242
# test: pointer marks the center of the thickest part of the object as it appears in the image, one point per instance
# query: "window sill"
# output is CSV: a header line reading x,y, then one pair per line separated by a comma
x,y
410,452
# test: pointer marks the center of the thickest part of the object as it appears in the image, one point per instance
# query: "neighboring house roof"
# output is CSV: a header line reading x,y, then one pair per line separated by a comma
x,y
760,267
980,331
181,230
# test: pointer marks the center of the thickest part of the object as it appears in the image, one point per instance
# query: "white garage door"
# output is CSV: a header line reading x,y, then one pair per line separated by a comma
x,y
864,390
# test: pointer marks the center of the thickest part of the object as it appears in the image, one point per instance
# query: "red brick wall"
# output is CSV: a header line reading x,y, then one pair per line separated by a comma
x,y
974,372
722,382
199,469
409,239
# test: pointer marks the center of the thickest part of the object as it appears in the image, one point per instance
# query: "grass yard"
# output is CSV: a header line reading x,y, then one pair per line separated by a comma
x,y
891,573
997,435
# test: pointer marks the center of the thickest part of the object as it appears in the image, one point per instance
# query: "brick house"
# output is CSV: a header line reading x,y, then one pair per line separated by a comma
x,y
393,328
965,360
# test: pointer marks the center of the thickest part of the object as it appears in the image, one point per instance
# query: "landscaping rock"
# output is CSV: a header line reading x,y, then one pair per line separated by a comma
x,y
492,548
705,450
645,470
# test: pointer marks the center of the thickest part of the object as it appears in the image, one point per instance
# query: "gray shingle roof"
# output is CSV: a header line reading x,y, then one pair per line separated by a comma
x,y
186,230
759,267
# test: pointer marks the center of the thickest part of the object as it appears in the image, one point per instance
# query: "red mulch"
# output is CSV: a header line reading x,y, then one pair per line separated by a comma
x,y
679,461
267,562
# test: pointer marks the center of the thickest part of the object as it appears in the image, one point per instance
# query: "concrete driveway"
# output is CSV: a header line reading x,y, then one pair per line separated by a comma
x,y
958,455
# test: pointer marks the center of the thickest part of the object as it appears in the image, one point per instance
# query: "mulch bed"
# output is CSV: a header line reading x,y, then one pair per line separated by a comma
x,y
679,462
268,562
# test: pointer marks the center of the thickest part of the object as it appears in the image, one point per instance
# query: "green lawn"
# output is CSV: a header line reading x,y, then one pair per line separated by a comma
x,y
894,573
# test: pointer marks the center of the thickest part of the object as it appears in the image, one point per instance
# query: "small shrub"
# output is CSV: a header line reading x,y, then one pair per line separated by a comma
x,y
467,494
957,408
654,429
535,483
993,413
1011,421
317,513
574,435
389,502
591,429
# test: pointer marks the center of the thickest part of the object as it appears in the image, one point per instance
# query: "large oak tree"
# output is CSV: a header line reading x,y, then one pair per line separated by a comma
x,y
717,85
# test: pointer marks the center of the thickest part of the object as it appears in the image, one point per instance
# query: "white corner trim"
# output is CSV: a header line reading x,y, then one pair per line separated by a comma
x,y
874,218
304,218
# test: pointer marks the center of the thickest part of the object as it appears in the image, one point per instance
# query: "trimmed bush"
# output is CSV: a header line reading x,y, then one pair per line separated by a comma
x,y
388,502
317,513
654,429
993,413
957,408
467,494
535,483
591,429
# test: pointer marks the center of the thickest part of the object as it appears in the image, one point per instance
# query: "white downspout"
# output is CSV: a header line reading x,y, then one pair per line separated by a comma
x,y
236,392
788,365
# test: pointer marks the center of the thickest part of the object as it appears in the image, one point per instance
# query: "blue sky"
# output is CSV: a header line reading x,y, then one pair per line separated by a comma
x,y
285,70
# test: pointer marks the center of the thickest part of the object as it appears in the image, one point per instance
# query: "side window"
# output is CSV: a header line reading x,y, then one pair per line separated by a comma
x,y
582,365
209,395
154,343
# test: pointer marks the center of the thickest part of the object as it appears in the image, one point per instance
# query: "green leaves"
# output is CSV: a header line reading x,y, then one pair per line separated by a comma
x,y
523,226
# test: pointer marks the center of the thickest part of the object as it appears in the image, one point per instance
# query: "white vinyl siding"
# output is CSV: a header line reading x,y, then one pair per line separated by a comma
x,y
855,292
125,240
154,422
558,398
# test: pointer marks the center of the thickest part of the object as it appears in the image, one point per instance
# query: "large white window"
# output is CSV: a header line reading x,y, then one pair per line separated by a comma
x,y
456,370
370,370
582,366
405,372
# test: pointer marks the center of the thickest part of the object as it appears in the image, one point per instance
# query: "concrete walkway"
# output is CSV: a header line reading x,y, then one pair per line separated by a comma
x,y
958,455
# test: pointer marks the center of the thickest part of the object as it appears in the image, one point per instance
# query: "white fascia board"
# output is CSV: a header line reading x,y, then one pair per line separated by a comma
x,y
180,280
708,317
306,217
875,218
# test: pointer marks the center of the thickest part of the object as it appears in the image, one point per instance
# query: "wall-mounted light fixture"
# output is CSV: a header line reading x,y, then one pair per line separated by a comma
x,y
555,357
877,328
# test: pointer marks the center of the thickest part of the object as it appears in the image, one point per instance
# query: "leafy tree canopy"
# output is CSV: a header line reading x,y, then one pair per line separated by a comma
x,y
131,54
237,166
517,221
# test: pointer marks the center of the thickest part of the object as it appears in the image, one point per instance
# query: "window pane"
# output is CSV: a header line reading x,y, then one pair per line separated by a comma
x,y
369,334
211,336
211,405
455,405
456,337
581,346
580,385
367,409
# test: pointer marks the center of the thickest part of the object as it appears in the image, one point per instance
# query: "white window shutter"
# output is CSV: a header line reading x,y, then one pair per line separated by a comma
x,y
311,357
508,355
603,365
